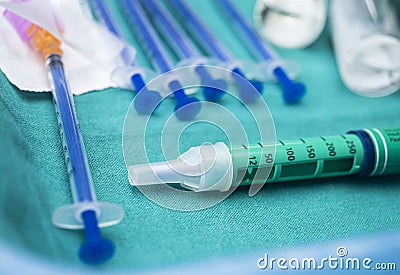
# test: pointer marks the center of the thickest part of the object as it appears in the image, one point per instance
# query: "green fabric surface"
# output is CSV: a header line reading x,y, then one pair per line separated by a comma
x,y
34,179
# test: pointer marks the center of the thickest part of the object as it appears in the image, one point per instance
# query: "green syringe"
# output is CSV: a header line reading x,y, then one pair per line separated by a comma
x,y
368,152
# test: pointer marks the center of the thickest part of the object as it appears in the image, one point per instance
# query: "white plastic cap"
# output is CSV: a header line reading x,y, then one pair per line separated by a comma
x,y
201,168
291,24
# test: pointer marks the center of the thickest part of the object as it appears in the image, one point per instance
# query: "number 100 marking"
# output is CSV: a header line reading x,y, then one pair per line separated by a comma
x,y
290,154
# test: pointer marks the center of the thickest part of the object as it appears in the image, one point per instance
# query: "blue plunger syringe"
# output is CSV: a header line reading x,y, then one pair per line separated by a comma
x,y
207,40
85,213
187,107
293,92
147,100
184,48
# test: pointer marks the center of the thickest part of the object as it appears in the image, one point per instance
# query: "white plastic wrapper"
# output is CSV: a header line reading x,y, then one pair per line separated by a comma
x,y
91,53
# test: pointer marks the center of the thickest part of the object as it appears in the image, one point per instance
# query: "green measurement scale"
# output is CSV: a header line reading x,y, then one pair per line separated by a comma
x,y
299,159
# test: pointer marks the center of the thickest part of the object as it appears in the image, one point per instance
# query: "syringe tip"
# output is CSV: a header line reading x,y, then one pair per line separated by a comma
x,y
188,108
294,92
147,101
215,89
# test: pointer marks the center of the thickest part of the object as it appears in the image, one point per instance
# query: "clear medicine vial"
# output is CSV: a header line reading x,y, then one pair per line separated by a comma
x,y
365,36
291,24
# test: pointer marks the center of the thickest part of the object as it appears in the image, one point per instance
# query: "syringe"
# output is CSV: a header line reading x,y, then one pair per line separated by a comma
x,y
147,101
85,212
208,41
187,107
184,48
368,152
293,92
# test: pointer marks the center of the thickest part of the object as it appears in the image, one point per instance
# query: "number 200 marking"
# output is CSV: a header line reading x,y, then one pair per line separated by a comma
x,y
331,149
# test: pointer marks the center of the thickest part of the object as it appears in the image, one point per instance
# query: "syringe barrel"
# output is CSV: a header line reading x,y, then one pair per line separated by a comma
x,y
366,152
250,37
385,154
73,147
170,31
147,36
102,13
199,31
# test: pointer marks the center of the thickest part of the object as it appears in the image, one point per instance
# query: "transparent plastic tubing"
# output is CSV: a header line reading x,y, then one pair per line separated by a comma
x,y
148,100
184,48
293,92
69,121
213,47
187,107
